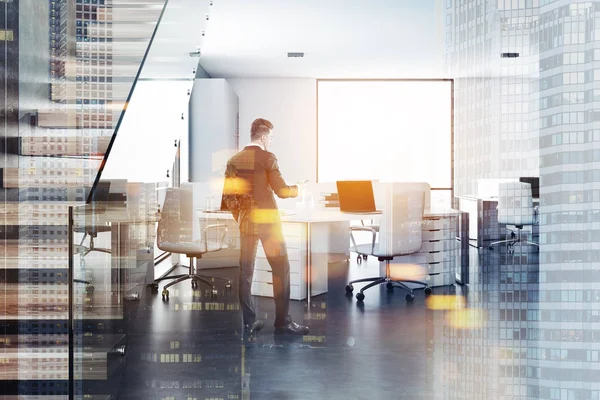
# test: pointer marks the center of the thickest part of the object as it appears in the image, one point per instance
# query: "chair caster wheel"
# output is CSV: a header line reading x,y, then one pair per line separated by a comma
x,y
165,295
349,288
427,291
389,286
410,297
360,296
364,256
154,287
359,259
491,247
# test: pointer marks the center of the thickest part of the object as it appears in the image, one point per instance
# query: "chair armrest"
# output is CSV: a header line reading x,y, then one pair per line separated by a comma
x,y
213,227
364,229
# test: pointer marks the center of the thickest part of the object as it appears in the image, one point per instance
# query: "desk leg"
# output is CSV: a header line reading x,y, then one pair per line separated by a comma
x,y
308,263
116,255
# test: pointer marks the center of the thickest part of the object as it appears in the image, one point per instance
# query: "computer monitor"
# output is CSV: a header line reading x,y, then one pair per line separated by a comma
x,y
534,181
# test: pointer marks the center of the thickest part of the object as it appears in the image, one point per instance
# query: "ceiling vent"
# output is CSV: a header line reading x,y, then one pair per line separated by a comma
x,y
510,55
295,55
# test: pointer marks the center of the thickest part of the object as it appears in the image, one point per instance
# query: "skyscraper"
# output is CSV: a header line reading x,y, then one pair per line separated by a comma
x,y
525,104
68,78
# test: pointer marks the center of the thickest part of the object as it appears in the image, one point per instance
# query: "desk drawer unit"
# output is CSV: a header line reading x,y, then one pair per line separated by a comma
x,y
295,238
266,290
438,234
437,245
439,251
442,279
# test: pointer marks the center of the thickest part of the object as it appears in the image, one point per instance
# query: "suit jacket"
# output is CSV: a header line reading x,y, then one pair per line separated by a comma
x,y
251,178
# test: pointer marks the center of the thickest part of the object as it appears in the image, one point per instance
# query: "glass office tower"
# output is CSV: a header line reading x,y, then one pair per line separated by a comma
x,y
569,34
523,116
68,66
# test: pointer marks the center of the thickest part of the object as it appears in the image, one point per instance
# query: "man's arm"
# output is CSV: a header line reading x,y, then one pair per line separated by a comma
x,y
277,183
229,191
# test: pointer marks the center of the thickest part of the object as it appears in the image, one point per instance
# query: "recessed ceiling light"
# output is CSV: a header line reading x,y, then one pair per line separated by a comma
x,y
295,54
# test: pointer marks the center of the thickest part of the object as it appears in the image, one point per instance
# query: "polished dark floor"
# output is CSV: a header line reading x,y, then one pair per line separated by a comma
x,y
191,347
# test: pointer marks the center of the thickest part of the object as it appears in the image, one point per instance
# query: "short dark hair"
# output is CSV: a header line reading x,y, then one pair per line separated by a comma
x,y
260,127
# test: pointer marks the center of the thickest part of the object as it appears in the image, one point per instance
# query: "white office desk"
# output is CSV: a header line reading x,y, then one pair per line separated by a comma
x,y
318,237
313,238
483,219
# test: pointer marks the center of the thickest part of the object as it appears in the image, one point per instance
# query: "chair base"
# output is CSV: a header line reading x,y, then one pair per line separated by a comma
x,y
191,275
87,250
390,284
512,241
89,288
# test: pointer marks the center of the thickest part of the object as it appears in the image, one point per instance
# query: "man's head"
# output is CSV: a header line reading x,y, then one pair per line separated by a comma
x,y
260,132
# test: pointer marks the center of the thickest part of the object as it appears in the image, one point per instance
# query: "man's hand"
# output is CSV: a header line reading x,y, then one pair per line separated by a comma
x,y
301,187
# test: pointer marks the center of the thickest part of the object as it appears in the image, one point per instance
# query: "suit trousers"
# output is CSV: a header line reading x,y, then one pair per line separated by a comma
x,y
271,237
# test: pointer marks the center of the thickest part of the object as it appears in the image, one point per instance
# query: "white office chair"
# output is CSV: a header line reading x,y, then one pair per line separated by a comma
x,y
174,235
515,207
91,226
400,233
373,226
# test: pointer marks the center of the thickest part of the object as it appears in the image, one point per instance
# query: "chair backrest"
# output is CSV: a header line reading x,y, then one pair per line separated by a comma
x,y
400,231
175,224
515,203
201,192
403,187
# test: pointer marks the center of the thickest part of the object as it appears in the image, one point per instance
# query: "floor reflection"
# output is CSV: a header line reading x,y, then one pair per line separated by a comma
x,y
476,348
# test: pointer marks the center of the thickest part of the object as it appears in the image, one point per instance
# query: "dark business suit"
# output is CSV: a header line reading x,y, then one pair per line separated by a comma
x,y
251,178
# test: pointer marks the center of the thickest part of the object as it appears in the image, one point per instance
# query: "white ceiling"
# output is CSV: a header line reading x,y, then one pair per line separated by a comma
x,y
340,39
178,35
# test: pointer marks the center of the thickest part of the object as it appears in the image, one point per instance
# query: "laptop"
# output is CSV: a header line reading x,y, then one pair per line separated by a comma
x,y
356,197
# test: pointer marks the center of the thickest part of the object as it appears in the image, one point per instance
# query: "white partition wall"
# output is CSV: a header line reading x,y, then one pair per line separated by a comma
x,y
213,134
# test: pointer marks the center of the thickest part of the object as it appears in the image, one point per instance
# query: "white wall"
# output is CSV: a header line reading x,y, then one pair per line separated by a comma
x,y
213,112
291,105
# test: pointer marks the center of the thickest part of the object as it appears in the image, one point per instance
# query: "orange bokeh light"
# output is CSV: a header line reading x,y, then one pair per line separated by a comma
x,y
407,271
445,302
468,318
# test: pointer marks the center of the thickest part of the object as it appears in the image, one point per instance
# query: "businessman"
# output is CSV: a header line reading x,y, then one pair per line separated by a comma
x,y
251,178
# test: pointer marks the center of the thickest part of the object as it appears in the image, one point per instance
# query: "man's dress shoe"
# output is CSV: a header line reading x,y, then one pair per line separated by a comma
x,y
253,327
293,328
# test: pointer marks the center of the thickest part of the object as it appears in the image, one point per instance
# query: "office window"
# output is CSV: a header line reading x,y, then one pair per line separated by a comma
x,y
398,131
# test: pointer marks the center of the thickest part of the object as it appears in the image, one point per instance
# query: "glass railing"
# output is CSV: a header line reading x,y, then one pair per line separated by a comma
x,y
112,246
109,260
